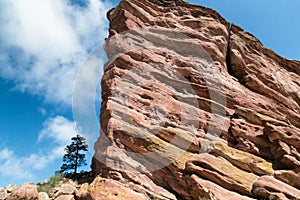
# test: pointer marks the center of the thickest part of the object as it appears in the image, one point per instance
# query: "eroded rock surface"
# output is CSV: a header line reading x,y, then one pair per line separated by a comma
x,y
194,107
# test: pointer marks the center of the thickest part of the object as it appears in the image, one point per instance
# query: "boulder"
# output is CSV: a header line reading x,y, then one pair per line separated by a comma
x,y
66,189
27,191
3,194
43,196
11,187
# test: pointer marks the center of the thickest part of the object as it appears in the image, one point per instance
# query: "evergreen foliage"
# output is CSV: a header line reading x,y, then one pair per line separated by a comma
x,y
73,157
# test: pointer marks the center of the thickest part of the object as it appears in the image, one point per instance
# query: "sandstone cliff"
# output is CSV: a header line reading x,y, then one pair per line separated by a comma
x,y
194,107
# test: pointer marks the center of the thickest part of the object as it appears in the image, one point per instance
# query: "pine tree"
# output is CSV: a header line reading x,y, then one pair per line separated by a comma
x,y
73,158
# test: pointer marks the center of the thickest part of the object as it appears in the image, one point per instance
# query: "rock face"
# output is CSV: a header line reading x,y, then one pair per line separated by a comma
x,y
194,107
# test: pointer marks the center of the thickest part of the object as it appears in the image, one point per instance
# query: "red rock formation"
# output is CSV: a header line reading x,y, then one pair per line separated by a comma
x,y
193,107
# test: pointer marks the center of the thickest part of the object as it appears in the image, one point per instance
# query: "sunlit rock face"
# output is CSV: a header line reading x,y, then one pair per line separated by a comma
x,y
194,107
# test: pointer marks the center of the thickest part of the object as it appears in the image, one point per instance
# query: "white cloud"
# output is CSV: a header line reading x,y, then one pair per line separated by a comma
x,y
59,129
42,47
43,43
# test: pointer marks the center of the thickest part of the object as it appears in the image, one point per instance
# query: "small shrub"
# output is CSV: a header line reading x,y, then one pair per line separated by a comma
x,y
271,197
53,182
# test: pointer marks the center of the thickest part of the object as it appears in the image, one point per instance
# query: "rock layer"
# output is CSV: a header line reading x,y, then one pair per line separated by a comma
x,y
193,107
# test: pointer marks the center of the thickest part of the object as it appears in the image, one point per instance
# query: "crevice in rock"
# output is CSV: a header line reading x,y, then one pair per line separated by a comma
x,y
228,58
174,192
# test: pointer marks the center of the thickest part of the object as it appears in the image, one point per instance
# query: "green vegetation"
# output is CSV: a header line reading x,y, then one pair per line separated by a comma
x,y
271,197
68,171
53,182
58,179
73,158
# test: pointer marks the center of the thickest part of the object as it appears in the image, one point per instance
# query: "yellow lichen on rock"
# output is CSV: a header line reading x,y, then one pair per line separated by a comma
x,y
243,160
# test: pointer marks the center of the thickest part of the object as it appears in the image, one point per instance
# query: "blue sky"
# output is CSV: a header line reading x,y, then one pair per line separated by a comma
x,y
46,64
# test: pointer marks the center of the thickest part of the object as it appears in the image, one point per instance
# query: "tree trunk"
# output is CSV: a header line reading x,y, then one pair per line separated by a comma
x,y
76,160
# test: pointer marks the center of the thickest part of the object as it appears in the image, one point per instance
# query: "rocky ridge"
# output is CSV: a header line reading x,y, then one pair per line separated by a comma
x,y
195,107
66,190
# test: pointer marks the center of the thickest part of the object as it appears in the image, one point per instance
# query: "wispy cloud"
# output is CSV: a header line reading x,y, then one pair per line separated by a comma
x,y
13,167
5,154
43,43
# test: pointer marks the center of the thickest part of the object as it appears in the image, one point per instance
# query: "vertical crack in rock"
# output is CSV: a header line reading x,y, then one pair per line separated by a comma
x,y
228,60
